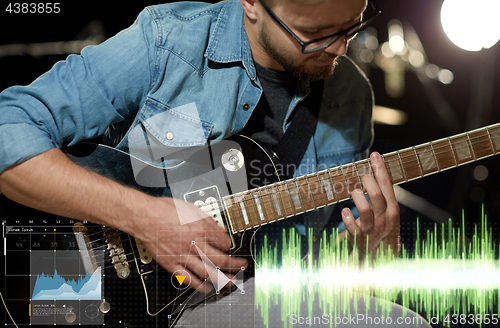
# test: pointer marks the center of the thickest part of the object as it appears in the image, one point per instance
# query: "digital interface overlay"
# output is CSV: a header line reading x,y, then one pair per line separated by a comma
x,y
44,281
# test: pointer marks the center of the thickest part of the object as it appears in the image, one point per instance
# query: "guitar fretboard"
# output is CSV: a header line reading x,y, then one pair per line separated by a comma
x,y
285,199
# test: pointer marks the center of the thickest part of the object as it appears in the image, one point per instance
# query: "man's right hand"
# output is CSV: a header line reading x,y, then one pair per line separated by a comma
x,y
173,244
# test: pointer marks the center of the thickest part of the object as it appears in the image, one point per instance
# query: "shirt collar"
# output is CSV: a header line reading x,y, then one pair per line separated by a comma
x,y
228,42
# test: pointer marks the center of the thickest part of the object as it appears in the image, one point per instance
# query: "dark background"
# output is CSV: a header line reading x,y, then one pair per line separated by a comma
x,y
453,191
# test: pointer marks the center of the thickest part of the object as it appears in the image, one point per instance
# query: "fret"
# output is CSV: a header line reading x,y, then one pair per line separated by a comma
x,y
434,154
247,215
453,153
495,135
332,186
394,168
255,211
316,190
321,187
295,196
276,195
242,212
242,217
491,141
462,149
370,166
299,192
340,186
287,191
364,167
235,217
471,148
427,161
271,202
345,180
310,192
481,144
359,179
262,213
328,188
251,209
274,191
244,206
402,168
352,177
231,221
444,154
410,164
418,162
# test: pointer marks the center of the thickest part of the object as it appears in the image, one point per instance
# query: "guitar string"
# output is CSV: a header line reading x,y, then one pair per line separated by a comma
x,y
102,241
469,143
100,251
411,164
105,261
412,157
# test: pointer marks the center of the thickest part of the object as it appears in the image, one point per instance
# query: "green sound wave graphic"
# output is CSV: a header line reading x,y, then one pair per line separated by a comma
x,y
444,277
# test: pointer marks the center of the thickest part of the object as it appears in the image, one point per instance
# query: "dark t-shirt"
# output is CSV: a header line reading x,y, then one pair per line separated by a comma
x,y
266,123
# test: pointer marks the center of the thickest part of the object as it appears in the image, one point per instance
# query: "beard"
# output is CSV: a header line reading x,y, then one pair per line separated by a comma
x,y
298,69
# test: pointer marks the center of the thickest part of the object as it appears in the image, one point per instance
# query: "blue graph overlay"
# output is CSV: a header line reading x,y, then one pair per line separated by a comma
x,y
57,288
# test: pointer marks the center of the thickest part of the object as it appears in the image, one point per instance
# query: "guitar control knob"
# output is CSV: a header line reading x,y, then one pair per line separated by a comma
x,y
232,159
70,317
105,307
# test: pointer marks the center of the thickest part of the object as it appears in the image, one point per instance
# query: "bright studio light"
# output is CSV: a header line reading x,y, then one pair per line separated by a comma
x,y
471,25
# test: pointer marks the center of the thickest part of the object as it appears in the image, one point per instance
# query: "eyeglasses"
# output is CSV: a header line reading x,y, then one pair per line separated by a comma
x,y
326,41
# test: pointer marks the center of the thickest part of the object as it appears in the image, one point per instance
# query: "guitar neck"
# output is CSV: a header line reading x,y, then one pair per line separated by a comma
x,y
285,199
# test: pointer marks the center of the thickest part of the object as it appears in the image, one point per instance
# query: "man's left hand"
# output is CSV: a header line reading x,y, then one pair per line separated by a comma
x,y
379,218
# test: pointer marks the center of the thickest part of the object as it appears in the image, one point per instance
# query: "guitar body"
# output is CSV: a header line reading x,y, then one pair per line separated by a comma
x,y
136,291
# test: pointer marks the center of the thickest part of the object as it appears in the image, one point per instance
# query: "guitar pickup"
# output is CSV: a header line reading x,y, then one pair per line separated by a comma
x,y
206,200
146,258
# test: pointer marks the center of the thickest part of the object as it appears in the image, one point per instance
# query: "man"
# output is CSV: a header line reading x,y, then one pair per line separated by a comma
x,y
215,56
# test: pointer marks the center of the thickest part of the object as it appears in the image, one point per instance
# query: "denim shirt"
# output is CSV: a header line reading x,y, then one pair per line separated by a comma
x,y
184,73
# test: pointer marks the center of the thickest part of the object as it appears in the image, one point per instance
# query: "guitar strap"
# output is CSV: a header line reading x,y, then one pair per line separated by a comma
x,y
292,146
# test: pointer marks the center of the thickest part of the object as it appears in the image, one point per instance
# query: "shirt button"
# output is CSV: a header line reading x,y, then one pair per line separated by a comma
x,y
169,136
246,106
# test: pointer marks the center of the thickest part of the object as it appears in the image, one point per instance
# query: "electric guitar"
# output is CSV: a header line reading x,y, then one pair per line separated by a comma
x,y
220,181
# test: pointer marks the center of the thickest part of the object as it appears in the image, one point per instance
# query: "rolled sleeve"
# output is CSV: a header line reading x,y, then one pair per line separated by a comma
x,y
79,97
20,142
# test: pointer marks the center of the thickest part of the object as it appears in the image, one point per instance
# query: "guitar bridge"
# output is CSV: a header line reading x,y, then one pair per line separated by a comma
x,y
116,252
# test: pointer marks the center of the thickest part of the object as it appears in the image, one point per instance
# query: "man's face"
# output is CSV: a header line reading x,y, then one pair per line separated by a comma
x,y
308,21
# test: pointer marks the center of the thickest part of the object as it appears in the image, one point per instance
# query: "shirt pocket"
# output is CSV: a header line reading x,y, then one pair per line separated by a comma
x,y
164,136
